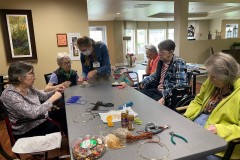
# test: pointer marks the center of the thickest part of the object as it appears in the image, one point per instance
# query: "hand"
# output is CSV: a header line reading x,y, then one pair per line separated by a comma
x,y
141,86
91,74
66,84
57,95
60,88
212,128
161,101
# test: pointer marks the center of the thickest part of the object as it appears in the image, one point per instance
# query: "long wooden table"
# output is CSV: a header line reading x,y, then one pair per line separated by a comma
x,y
200,141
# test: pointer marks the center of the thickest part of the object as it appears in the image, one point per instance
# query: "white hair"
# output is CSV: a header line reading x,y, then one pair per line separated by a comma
x,y
61,56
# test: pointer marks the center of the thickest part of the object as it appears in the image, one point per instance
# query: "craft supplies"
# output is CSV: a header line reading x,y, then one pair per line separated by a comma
x,y
124,120
113,142
116,114
88,148
151,127
109,121
128,104
142,135
176,135
75,100
154,142
137,121
121,133
130,122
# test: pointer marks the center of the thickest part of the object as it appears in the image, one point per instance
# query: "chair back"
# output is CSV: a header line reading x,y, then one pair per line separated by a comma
x,y
47,77
1,84
7,122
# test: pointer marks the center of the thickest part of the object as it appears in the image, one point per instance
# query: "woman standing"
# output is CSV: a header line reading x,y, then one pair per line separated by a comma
x,y
94,58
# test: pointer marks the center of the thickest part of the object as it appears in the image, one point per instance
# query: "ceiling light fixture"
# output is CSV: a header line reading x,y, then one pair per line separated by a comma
x,y
141,5
117,13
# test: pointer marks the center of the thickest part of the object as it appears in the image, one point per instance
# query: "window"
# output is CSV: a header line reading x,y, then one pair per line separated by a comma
x,y
141,40
171,34
156,36
98,33
231,31
130,43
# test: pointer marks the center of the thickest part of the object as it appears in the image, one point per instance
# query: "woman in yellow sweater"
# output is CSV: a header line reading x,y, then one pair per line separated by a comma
x,y
217,106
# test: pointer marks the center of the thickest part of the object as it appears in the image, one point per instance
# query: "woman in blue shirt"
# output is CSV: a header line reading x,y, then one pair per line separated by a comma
x,y
94,58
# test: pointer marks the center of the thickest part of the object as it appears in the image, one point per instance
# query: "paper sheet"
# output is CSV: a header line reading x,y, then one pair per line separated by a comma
x,y
116,114
38,143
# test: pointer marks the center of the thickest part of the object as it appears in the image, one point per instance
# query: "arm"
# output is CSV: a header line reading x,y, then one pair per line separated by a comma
x,y
84,67
148,80
148,68
196,106
51,84
28,107
105,64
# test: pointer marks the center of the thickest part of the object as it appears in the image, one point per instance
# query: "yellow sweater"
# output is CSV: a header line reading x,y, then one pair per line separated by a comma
x,y
225,116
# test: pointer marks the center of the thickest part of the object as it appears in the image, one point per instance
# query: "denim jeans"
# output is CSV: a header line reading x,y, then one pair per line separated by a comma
x,y
202,119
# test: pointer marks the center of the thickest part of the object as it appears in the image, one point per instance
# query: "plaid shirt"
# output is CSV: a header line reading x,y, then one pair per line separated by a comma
x,y
175,76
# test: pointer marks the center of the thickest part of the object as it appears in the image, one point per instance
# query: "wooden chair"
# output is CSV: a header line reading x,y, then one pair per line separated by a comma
x,y
9,126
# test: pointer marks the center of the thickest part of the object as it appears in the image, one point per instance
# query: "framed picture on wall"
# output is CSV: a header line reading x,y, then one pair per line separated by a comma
x,y
18,35
62,40
72,46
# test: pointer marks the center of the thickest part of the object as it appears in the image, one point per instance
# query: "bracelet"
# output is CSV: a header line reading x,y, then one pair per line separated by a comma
x,y
160,144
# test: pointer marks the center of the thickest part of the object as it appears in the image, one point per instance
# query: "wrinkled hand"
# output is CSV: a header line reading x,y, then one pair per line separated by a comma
x,y
161,101
57,95
66,84
60,88
91,74
212,128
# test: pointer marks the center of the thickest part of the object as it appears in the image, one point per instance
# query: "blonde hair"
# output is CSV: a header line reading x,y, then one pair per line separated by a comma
x,y
223,67
61,56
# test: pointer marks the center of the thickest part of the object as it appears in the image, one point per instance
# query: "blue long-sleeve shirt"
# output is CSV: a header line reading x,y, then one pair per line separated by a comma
x,y
102,56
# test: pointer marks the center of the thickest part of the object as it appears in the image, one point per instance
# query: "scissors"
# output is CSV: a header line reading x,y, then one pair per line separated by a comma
x,y
176,135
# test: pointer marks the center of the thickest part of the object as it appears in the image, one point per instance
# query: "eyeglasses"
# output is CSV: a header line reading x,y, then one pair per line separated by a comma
x,y
31,74
163,51
67,63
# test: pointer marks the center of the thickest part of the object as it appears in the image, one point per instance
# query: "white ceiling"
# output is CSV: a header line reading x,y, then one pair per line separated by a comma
x,y
105,10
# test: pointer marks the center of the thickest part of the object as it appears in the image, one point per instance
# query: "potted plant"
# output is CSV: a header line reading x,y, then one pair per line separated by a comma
x,y
236,45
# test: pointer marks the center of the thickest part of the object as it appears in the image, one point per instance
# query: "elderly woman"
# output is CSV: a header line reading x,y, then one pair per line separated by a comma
x,y
64,75
217,106
22,101
94,58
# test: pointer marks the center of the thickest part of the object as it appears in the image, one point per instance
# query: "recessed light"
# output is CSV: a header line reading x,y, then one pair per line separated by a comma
x,y
118,13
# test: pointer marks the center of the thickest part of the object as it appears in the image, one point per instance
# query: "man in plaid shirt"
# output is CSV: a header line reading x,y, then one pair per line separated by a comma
x,y
170,72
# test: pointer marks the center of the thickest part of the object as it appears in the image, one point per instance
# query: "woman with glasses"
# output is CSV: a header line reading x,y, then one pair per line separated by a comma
x,y
64,75
94,58
217,106
23,101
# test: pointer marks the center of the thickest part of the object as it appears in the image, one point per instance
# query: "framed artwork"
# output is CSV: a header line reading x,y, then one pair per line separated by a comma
x,y
18,35
72,45
62,40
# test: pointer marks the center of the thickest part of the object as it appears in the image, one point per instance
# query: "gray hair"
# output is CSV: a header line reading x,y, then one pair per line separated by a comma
x,y
61,56
152,48
17,69
223,67
168,45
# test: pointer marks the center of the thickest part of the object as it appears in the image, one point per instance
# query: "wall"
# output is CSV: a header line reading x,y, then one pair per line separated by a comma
x,y
110,36
224,22
198,51
49,18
